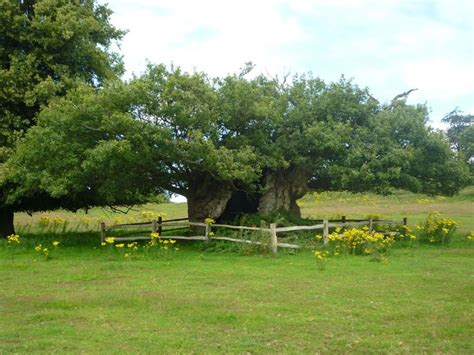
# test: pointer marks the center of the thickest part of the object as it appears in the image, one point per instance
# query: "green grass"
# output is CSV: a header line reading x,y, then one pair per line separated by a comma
x,y
85,300
401,204
92,300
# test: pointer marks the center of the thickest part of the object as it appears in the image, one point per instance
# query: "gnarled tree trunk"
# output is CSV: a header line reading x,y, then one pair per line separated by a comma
x,y
207,198
6,222
282,189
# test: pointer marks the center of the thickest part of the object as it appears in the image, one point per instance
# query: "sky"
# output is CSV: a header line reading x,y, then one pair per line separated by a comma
x,y
386,45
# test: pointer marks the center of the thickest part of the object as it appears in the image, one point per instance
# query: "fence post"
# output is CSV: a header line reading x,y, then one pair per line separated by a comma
x,y
371,224
160,225
405,221
325,231
343,219
102,232
208,230
154,226
273,238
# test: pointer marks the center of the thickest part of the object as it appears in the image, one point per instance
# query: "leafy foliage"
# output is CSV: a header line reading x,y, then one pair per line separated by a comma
x,y
458,123
207,138
47,47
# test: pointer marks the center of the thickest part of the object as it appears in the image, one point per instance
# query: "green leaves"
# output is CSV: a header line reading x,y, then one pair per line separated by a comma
x,y
205,138
46,47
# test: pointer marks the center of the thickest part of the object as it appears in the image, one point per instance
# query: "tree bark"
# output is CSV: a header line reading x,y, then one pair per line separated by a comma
x,y
6,222
282,190
207,198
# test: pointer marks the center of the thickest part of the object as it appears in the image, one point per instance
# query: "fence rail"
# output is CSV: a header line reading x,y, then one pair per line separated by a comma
x,y
158,225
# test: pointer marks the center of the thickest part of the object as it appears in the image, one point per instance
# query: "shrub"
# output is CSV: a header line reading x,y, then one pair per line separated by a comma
x,y
436,229
359,241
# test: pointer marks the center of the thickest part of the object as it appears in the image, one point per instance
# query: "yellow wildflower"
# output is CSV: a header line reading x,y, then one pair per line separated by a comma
x,y
110,240
14,238
119,245
55,243
209,221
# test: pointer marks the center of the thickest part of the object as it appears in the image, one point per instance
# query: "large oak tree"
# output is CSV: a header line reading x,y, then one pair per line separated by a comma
x,y
230,145
46,48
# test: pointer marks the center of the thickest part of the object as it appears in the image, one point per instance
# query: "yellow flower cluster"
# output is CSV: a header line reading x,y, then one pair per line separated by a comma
x,y
13,239
164,244
46,221
321,255
321,258
209,221
149,215
405,233
436,229
360,241
133,246
43,250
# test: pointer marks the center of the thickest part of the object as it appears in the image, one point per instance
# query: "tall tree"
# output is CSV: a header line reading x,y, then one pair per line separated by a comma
x,y
158,132
460,134
458,122
230,145
46,48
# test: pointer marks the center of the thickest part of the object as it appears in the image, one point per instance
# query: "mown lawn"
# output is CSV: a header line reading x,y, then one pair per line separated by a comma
x,y
88,300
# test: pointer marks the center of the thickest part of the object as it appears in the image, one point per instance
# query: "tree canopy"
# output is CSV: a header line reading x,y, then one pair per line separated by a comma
x,y
461,134
230,144
46,48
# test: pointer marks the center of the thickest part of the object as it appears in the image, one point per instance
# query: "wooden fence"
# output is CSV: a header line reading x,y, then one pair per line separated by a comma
x,y
159,226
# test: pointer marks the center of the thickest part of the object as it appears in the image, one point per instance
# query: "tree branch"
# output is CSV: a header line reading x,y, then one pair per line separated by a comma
x,y
403,96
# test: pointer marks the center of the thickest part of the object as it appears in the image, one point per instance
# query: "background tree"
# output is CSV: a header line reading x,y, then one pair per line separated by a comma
x,y
466,144
461,134
46,48
458,123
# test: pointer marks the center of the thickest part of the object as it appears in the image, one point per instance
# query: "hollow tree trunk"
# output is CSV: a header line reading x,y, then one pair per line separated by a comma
x,y
6,222
282,189
241,203
207,198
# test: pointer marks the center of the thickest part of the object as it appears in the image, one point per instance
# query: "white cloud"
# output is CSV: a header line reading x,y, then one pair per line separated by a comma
x,y
162,31
390,46
439,79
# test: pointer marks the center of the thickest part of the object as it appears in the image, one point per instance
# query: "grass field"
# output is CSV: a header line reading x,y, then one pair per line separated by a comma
x,y
90,299
83,301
